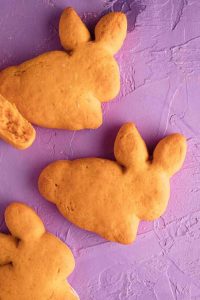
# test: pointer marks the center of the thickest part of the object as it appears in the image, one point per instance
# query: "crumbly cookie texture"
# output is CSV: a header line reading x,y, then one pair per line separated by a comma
x,y
64,89
111,197
14,129
34,264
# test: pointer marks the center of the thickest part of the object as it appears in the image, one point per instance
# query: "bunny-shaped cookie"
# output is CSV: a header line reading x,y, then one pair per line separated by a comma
x,y
34,264
111,197
64,89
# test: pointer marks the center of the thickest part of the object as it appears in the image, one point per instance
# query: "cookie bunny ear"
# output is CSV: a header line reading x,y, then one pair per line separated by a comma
x,y
170,153
129,148
23,222
72,30
111,30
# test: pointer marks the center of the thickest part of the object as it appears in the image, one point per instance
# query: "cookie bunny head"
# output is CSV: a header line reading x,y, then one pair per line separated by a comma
x,y
149,177
33,263
95,57
111,197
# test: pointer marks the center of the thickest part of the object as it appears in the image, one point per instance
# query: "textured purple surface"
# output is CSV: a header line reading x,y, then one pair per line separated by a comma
x,y
160,91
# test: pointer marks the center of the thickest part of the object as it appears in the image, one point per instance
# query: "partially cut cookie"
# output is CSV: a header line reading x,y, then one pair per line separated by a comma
x,y
14,129
34,264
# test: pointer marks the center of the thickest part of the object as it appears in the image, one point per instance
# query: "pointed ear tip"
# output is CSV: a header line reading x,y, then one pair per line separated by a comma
x,y
118,14
69,11
121,19
129,126
179,138
122,16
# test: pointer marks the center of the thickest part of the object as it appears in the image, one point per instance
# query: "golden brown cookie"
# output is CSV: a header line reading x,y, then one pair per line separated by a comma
x,y
34,264
64,89
14,129
111,197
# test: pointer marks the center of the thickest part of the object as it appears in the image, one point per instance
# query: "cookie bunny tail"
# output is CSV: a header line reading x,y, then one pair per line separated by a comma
x,y
111,31
170,153
130,149
14,129
72,30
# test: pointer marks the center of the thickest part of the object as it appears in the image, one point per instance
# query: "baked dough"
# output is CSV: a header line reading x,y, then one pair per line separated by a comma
x,y
34,264
64,89
111,197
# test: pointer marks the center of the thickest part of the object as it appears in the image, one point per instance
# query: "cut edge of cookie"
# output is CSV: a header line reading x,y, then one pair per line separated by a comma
x,y
14,128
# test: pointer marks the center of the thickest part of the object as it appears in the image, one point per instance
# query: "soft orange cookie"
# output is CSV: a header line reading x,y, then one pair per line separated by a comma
x,y
34,264
64,89
111,197
14,129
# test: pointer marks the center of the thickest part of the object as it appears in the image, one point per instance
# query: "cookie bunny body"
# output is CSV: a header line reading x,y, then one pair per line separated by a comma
x,y
111,197
34,264
61,89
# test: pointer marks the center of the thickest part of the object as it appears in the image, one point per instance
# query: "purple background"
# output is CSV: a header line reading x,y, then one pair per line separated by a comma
x,y
160,89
